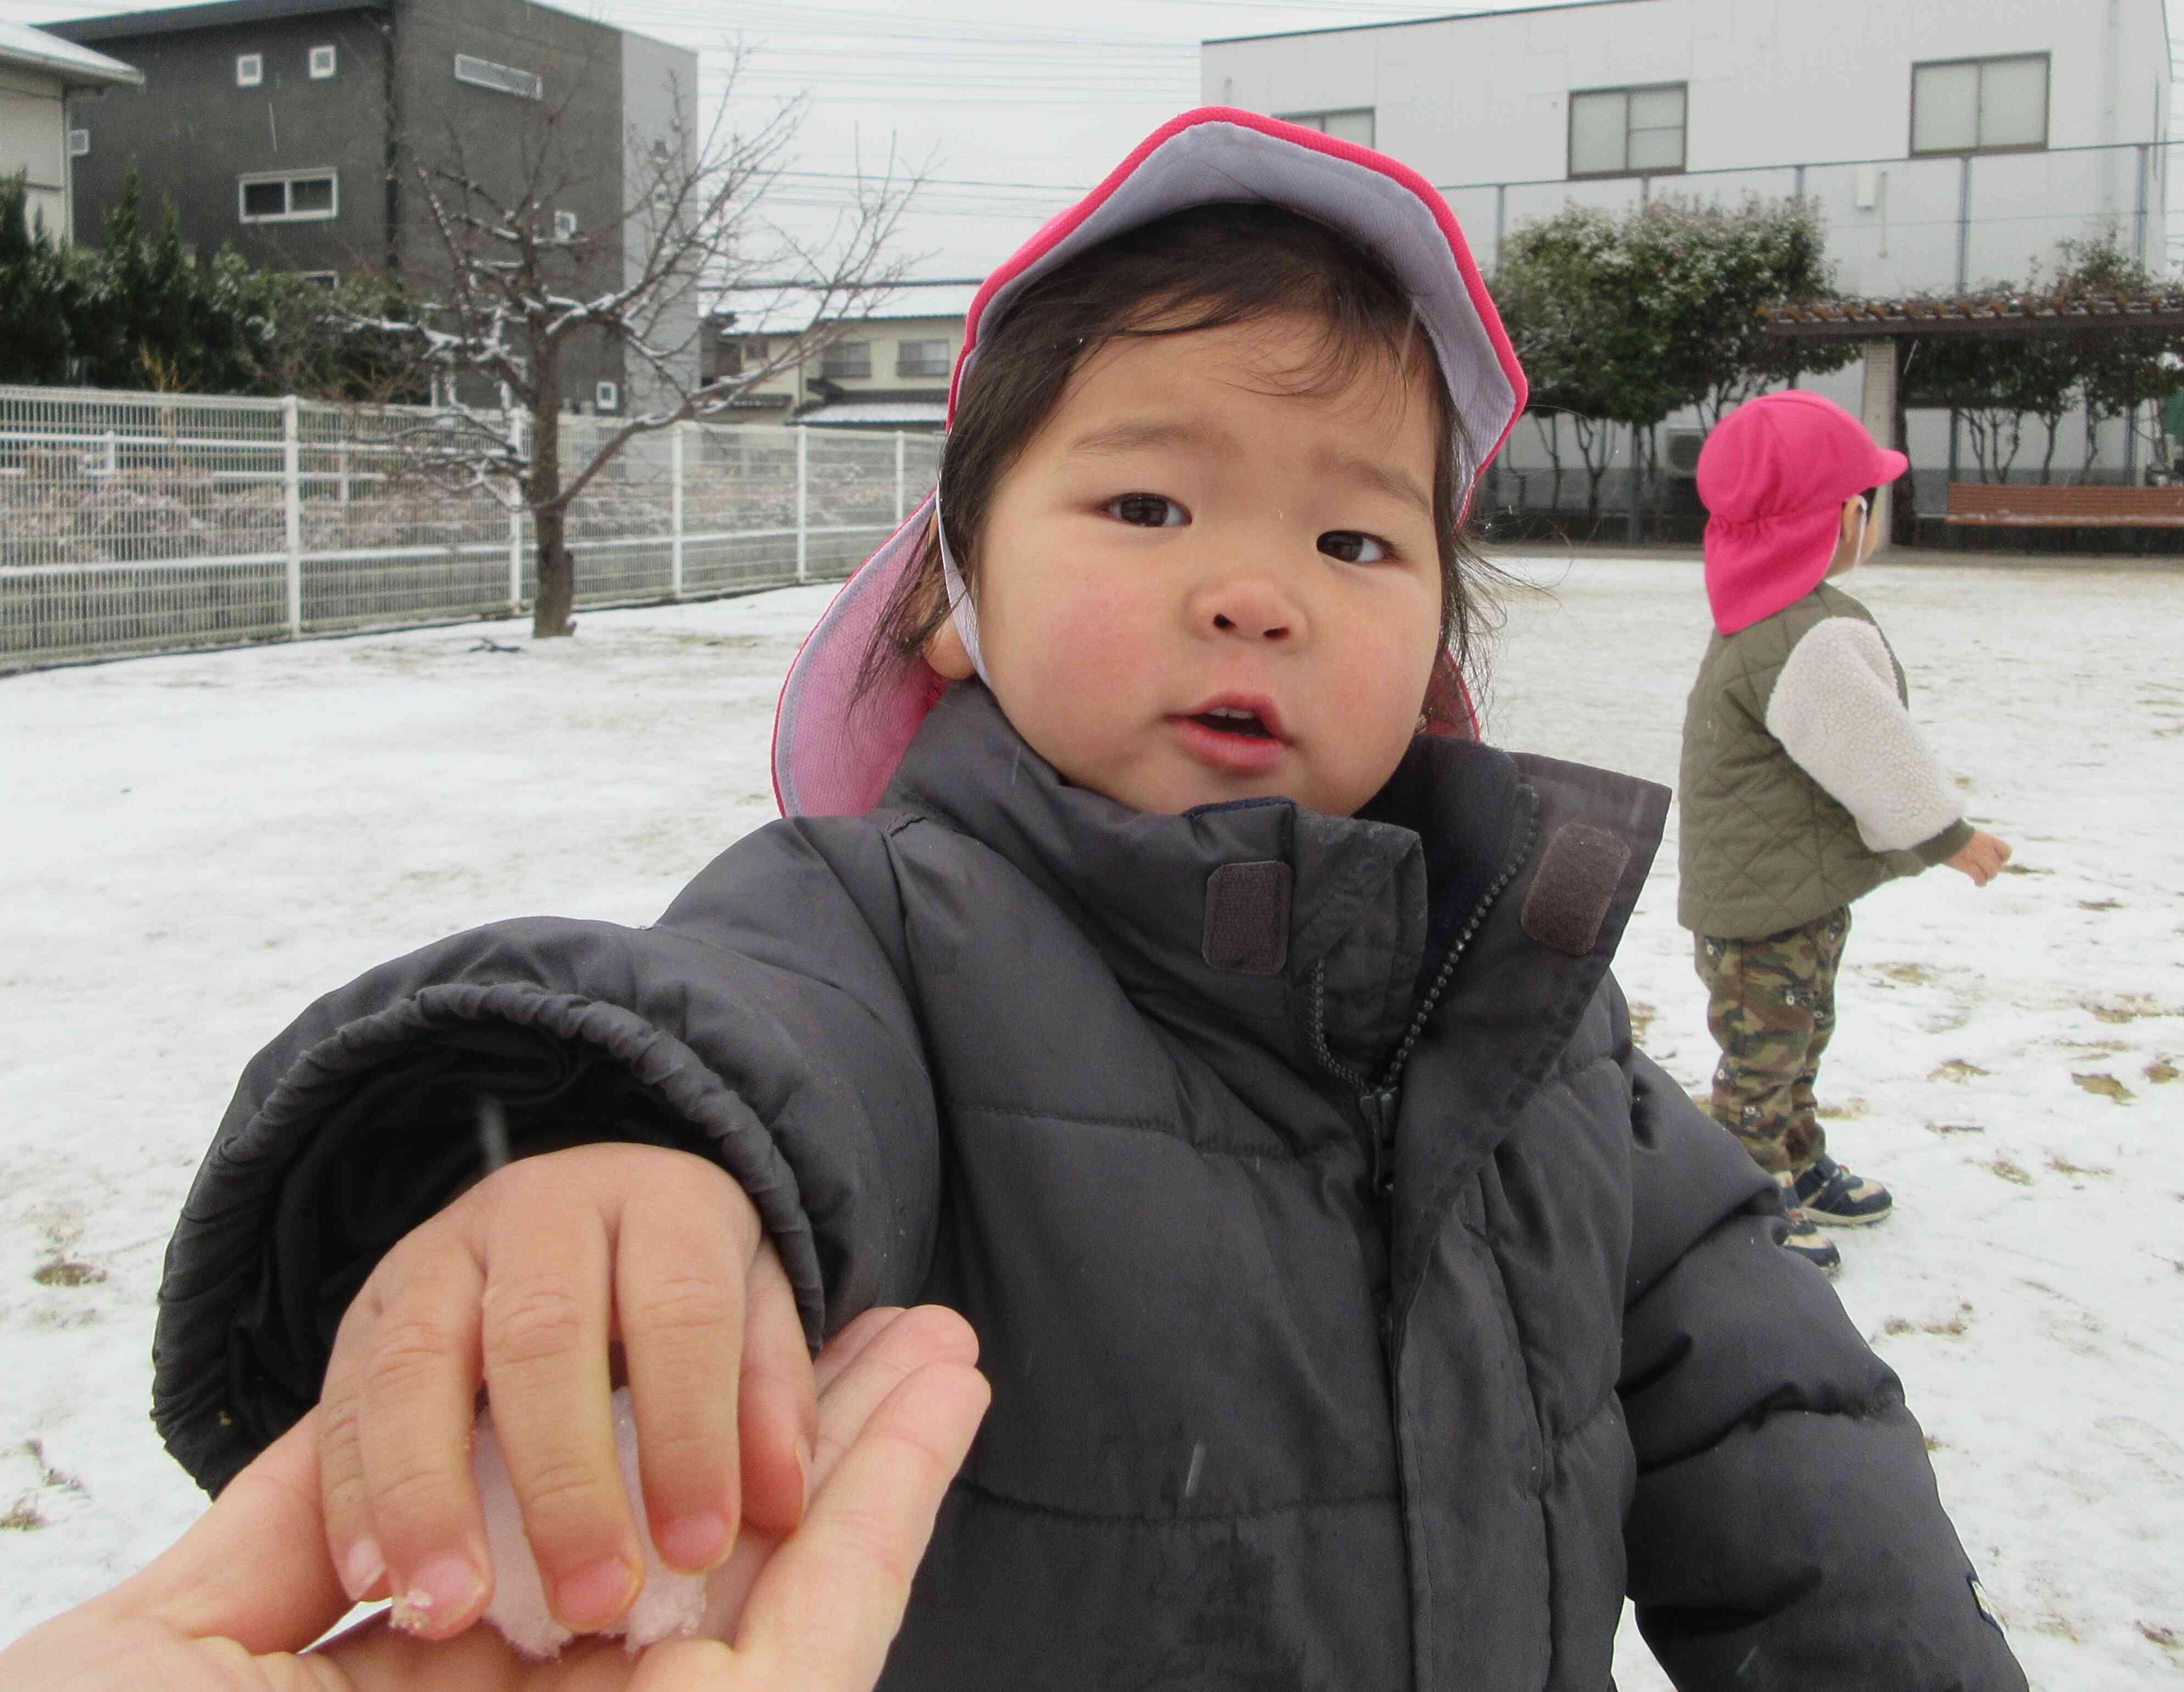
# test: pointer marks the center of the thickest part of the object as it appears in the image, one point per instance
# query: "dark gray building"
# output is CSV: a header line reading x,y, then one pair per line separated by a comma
x,y
286,127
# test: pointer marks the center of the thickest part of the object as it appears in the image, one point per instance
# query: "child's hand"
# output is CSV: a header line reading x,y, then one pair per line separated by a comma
x,y
526,1281
1980,857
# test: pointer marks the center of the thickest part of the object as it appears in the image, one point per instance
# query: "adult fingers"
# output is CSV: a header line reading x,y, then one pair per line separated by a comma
x,y
831,1599
860,1367
930,1333
546,1315
218,1578
680,1293
400,1498
778,1418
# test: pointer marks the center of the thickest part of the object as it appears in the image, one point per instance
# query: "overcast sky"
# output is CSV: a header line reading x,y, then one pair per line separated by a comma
x,y
1016,108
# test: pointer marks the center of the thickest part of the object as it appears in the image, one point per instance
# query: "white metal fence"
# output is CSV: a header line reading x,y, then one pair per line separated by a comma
x,y
142,522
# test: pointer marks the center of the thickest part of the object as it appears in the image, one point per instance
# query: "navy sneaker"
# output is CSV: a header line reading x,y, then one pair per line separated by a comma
x,y
1805,1238
1833,1194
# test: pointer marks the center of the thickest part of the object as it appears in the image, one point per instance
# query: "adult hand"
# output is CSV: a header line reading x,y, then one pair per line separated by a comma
x,y
251,1584
525,1282
1980,857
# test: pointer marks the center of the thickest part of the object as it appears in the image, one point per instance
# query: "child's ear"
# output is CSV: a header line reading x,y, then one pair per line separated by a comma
x,y
943,648
944,652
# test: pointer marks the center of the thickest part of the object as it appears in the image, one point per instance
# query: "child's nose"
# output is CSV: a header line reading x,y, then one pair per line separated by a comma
x,y
1253,609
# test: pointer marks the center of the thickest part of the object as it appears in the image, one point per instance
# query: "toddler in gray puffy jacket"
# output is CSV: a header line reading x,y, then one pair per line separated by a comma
x,y
1151,965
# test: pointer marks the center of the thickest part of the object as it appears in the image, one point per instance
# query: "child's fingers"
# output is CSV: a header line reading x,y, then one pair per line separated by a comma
x,y
399,1494
447,1285
829,1602
679,1300
777,1419
547,1309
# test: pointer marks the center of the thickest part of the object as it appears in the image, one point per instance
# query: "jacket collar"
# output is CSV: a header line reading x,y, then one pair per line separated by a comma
x,y
1311,933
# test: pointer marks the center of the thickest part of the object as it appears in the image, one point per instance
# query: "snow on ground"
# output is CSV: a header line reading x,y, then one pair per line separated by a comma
x,y
193,847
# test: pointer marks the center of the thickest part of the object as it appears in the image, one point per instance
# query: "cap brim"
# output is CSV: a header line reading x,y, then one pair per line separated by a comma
x,y
834,752
1893,465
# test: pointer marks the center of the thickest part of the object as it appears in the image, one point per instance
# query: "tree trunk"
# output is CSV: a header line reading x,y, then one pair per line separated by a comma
x,y
1632,518
557,570
1903,509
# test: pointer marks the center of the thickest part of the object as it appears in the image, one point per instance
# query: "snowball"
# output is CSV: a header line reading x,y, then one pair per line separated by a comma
x,y
669,1606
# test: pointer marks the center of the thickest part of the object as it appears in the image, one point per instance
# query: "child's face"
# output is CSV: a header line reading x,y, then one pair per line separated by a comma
x,y
1195,587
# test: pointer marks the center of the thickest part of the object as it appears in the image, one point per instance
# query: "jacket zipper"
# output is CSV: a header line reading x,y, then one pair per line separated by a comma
x,y
1377,1105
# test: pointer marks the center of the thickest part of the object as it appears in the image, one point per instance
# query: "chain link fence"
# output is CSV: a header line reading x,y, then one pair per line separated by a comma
x,y
141,523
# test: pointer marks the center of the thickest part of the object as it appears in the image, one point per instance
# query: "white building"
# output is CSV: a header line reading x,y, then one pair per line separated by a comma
x,y
1948,143
38,72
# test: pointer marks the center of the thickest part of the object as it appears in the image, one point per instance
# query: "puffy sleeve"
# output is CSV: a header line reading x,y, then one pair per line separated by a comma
x,y
1837,712
762,1023
1786,1529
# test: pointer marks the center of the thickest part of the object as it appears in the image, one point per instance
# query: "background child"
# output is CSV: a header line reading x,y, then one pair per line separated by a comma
x,y
1132,974
1804,785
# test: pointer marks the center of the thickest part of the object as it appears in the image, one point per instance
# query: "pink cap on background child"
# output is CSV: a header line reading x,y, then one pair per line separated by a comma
x,y
1773,476
826,764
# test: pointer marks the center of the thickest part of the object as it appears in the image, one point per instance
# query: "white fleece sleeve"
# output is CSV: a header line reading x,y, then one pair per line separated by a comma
x,y
1836,710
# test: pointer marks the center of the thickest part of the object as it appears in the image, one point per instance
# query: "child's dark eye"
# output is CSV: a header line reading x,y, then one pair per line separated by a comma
x,y
1354,548
1148,510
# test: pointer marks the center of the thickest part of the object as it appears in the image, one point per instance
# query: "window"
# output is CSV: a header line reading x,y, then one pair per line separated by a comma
x,y
303,196
565,225
848,357
921,358
1626,132
1980,105
607,395
79,142
322,62
249,69
328,280
1354,124
506,79
728,359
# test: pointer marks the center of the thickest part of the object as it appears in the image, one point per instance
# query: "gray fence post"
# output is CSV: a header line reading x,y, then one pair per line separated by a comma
x,y
515,521
675,547
803,505
292,487
900,514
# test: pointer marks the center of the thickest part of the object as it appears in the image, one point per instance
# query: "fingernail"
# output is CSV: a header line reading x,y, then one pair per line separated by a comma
x,y
362,1569
693,1544
440,1593
594,1594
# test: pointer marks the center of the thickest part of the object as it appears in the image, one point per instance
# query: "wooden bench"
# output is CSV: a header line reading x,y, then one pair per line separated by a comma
x,y
2016,506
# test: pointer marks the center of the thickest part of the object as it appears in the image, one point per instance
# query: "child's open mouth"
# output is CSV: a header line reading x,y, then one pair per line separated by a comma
x,y
1226,720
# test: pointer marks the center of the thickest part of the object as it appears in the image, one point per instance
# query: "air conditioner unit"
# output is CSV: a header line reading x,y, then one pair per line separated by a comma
x,y
1680,453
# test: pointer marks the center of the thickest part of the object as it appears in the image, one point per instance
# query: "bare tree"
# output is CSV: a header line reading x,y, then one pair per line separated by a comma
x,y
508,288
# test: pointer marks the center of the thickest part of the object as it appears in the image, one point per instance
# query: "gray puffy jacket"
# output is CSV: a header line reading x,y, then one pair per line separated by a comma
x,y
1333,1343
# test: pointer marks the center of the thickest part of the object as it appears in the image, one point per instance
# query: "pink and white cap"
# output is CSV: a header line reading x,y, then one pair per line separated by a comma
x,y
825,764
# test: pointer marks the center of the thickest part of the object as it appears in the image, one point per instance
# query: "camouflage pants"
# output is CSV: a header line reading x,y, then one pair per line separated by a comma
x,y
1771,1007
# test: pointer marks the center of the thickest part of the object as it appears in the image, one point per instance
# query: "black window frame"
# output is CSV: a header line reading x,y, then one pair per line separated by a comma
x,y
1572,174
1913,150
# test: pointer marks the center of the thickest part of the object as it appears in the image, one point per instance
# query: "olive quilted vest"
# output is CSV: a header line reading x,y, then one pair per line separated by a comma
x,y
1762,846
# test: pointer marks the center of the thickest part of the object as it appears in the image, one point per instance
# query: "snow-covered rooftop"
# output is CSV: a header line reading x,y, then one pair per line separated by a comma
x,y
78,66
878,413
788,311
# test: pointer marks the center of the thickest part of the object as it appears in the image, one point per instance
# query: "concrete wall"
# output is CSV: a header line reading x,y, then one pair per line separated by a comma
x,y
659,108
568,143
1475,102
192,135
33,131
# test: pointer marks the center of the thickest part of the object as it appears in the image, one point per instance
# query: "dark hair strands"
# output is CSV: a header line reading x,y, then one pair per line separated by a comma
x,y
1205,267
